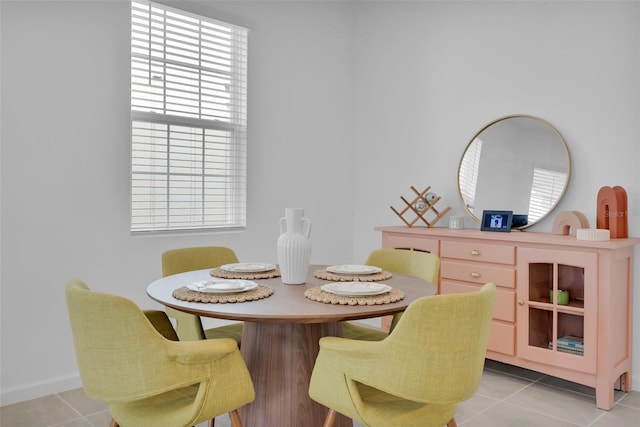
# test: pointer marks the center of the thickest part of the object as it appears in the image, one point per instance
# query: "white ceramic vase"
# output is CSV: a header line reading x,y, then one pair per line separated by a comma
x,y
294,246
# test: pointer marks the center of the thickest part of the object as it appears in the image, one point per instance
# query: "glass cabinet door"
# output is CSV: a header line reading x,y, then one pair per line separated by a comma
x,y
556,308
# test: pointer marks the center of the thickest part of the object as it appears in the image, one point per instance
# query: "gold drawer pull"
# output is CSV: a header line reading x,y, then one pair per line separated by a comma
x,y
475,252
520,302
475,275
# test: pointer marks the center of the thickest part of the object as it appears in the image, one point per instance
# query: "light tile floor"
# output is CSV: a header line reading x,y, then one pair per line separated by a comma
x,y
508,397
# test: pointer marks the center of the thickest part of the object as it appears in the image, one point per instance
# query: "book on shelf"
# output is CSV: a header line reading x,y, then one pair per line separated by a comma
x,y
569,344
570,350
569,341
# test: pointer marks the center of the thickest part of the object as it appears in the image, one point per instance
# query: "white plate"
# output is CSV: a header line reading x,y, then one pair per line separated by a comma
x,y
355,289
248,267
222,286
353,269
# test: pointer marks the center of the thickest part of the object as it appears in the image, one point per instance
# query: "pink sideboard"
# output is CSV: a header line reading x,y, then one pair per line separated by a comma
x,y
529,329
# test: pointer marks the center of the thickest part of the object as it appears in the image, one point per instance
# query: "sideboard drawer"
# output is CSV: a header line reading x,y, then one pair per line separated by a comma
x,y
504,307
391,241
478,273
474,251
502,338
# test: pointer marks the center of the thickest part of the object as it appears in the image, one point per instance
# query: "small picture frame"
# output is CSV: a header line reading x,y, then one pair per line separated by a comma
x,y
496,221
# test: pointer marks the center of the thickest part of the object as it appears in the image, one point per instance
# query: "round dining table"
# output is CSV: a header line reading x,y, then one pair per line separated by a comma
x,y
280,338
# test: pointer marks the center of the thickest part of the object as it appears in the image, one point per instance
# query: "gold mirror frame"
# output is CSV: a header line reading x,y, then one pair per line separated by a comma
x,y
534,137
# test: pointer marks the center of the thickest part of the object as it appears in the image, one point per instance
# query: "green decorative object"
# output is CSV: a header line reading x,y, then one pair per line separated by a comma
x,y
562,297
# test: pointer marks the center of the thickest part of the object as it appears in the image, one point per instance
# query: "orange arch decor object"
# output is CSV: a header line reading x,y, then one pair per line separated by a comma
x,y
568,222
612,211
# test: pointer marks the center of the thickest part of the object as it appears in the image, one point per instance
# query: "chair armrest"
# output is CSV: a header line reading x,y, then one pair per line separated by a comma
x,y
371,363
203,351
355,358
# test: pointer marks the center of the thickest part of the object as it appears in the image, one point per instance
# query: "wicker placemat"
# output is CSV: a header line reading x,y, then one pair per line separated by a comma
x,y
317,294
186,294
327,275
218,272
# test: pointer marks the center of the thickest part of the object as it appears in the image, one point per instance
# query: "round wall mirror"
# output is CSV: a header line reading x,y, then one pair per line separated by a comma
x,y
517,163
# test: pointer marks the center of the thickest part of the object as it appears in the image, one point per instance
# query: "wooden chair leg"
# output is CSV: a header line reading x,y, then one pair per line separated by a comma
x,y
235,418
331,418
452,423
211,423
113,423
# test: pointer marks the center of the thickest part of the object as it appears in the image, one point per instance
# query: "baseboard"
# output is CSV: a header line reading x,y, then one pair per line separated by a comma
x,y
33,391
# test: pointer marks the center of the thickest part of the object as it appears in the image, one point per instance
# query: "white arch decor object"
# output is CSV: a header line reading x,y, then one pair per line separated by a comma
x,y
568,222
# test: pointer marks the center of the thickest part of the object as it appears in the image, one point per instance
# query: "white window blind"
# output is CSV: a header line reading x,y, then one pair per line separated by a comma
x,y
546,188
188,121
469,168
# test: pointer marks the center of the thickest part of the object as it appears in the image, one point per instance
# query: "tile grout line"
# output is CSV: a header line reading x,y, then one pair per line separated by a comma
x,y
548,415
79,417
530,384
557,388
616,403
68,404
539,380
497,402
503,400
596,419
621,402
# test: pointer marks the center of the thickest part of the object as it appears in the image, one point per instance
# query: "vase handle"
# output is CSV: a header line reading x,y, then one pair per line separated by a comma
x,y
283,225
306,227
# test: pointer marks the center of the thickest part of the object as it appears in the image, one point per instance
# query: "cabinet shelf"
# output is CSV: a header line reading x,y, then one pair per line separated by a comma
x,y
568,351
574,307
577,309
548,348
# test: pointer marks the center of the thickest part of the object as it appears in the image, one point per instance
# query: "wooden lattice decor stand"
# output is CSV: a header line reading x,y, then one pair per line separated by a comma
x,y
423,207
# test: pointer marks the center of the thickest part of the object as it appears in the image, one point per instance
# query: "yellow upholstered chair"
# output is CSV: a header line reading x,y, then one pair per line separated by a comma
x,y
431,361
174,261
136,364
418,264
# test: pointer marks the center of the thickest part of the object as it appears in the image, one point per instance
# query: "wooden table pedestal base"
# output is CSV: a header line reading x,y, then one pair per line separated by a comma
x,y
280,358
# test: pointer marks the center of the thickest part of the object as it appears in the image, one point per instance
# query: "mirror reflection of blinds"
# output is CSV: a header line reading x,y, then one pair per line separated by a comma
x,y
469,168
546,189
188,121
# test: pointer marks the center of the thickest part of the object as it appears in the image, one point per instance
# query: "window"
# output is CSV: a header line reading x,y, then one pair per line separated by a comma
x,y
188,121
546,189
469,173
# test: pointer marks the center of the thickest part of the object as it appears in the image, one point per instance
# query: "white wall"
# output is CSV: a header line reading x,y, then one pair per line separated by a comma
x,y
65,163
349,105
431,74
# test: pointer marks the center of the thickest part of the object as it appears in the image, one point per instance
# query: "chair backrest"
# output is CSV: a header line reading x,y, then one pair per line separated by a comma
x,y
436,352
176,261
423,265
117,348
